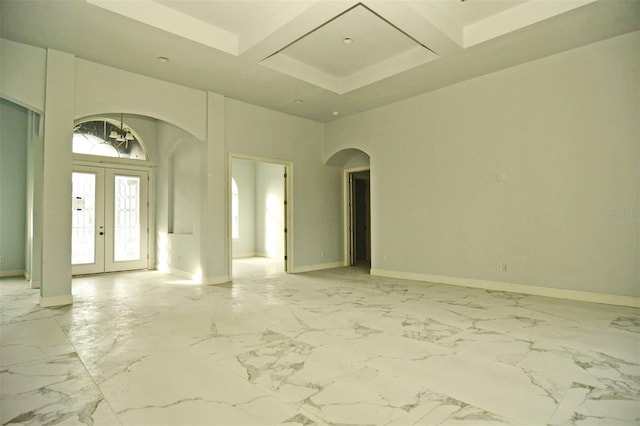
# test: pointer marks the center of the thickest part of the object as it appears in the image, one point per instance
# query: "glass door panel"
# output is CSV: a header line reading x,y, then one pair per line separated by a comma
x,y
126,214
109,220
87,254
83,237
127,233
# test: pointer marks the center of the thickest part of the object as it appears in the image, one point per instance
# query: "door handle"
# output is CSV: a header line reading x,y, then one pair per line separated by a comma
x,y
101,232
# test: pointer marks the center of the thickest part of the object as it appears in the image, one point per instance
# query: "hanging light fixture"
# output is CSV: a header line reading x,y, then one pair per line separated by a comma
x,y
122,135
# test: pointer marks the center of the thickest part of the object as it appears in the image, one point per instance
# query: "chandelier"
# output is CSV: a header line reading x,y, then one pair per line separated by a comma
x,y
122,134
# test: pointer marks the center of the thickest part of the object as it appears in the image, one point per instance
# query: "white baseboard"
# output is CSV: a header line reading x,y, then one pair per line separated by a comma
x,y
35,284
54,301
583,296
316,267
222,279
12,273
180,273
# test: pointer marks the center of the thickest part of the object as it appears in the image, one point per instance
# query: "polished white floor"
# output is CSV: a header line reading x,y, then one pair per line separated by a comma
x,y
329,347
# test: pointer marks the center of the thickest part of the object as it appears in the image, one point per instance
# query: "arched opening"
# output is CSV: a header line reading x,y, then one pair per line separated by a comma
x,y
107,137
357,205
111,210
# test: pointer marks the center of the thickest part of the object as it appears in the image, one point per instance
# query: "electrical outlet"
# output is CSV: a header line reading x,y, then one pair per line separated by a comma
x,y
2,259
501,267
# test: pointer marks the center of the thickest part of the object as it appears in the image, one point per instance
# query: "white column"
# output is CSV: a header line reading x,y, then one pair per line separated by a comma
x,y
55,288
214,253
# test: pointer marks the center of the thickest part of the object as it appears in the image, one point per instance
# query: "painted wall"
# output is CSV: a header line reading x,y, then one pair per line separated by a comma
x,y
13,187
22,74
182,185
317,200
101,89
535,167
244,173
23,71
176,201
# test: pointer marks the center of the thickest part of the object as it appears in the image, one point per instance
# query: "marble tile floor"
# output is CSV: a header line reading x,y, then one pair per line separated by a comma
x,y
328,347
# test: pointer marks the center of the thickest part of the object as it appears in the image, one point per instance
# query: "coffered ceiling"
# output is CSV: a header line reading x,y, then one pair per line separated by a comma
x,y
317,59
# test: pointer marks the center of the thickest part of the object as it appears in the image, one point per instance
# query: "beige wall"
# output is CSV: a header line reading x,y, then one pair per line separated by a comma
x,y
563,131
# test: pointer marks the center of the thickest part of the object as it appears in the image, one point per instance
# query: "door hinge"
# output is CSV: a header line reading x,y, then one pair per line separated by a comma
x,y
285,230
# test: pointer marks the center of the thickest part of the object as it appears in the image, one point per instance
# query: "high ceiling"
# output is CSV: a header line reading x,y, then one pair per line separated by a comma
x,y
315,59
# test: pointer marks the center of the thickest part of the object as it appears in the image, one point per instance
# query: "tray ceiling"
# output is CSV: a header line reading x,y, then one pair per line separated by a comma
x,y
273,53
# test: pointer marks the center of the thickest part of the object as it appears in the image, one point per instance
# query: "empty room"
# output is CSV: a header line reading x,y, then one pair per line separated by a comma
x,y
320,212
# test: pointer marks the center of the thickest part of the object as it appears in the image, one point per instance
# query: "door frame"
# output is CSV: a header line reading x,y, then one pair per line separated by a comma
x,y
81,160
288,211
349,213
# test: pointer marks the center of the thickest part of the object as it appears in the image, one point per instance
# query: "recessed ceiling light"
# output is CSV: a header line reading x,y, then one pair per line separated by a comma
x,y
163,59
334,113
298,101
347,40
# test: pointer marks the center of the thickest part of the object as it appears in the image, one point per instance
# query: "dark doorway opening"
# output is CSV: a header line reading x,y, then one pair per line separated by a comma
x,y
360,218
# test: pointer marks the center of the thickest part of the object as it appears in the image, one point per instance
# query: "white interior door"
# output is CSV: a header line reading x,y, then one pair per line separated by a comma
x,y
110,220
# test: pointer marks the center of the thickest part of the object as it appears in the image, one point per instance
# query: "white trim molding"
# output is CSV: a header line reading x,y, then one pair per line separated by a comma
x,y
317,267
12,273
55,301
221,279
197,278
559,293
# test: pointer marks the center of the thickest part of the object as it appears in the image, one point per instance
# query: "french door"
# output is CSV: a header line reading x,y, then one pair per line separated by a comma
x,y
109,220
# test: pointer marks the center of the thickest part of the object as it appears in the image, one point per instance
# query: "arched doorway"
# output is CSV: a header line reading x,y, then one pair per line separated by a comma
x,y
357,205
110,197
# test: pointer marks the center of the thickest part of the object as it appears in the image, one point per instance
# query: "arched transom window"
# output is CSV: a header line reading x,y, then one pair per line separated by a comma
x,y
106,137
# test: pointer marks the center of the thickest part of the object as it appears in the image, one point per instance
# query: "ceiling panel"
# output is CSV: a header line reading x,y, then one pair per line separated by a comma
x,y
373,40
463,13
239,17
